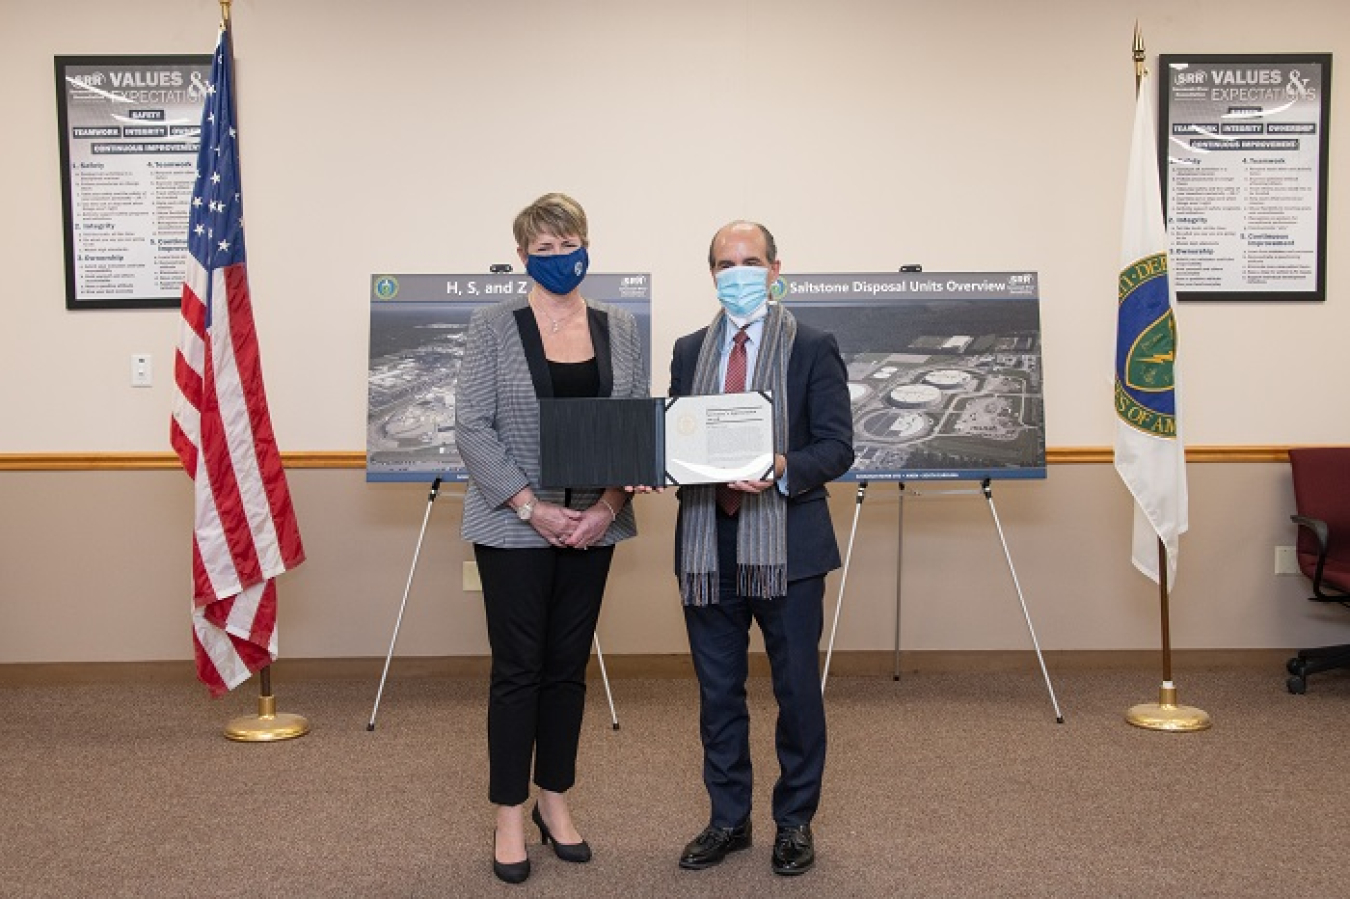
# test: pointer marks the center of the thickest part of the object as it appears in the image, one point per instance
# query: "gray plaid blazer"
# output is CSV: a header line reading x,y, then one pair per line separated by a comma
x,y
497,415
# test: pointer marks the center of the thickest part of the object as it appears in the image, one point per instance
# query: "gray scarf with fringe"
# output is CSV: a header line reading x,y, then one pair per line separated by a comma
x,y
761,524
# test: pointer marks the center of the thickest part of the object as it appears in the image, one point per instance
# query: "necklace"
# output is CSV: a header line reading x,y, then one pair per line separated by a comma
x,y
555,323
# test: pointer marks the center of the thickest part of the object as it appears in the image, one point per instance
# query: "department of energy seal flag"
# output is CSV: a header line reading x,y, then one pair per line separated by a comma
x,y
1149,453
244,532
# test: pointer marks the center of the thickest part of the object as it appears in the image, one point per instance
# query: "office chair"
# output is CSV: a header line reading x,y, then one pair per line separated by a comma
x,y
1322,498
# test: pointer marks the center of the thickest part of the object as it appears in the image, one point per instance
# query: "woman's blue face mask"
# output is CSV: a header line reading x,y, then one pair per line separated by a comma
x,y
742,289
560,274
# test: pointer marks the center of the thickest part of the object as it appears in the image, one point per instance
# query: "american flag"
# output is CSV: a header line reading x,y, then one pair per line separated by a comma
x,y
244,533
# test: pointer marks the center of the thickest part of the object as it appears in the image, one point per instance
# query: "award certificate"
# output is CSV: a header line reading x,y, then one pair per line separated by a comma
x,y
719,438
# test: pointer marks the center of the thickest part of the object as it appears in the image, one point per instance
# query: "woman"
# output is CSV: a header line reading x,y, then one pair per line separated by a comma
x,y
543,554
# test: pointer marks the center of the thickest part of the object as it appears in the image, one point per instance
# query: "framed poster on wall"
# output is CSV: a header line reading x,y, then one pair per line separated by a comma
x,y
128,131
1243,145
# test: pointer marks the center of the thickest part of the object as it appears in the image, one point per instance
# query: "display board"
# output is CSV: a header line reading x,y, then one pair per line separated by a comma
x,y
944,369
418,327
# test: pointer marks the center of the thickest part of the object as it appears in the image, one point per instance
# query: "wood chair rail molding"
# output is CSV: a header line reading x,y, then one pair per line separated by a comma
x,y
1061,455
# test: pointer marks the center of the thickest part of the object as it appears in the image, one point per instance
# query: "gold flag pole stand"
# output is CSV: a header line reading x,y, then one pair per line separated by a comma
x,y
268,726
1164,714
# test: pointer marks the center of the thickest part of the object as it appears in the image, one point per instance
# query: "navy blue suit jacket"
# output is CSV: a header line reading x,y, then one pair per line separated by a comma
x,y
820,442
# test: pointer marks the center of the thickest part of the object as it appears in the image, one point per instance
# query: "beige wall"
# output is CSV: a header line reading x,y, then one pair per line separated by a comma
x,y
402,136
96,569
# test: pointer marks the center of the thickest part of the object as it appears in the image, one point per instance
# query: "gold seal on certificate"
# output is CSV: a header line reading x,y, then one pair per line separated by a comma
x,y
719,438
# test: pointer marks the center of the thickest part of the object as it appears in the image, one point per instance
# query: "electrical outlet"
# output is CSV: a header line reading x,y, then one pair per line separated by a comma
x,y
1286,561
472,583
142,374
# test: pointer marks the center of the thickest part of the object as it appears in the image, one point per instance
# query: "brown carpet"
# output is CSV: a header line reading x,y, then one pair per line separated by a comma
x,y
939,785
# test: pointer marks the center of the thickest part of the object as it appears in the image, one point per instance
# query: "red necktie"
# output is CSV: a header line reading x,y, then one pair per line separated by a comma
x,y
728,499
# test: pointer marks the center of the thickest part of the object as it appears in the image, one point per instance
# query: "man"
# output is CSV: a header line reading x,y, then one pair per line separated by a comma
x,y
760,550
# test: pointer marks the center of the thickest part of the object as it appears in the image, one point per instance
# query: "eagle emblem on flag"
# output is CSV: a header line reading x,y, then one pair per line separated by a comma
x,y
1146,339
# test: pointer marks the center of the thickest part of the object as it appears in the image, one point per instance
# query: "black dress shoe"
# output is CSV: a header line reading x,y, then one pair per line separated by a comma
x,y
794,850
568,852
711,846
509,872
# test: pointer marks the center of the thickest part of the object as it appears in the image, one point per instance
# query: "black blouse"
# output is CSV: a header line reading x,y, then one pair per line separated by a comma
x,y
575,379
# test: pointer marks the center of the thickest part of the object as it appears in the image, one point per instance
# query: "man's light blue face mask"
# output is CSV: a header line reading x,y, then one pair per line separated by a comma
x,y
743,289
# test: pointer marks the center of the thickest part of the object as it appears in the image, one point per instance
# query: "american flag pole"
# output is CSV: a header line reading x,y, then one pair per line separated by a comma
x,y
245,533
268,725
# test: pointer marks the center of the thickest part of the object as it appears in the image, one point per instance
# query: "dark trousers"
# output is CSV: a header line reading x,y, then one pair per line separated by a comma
x,y
542,605
719,640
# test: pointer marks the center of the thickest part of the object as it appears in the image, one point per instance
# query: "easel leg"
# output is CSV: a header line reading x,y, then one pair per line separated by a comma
x,y
899,570
989,495
604,676
431,499
843,581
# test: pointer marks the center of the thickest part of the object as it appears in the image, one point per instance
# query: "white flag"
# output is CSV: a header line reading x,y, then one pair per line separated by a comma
x,y
1150,455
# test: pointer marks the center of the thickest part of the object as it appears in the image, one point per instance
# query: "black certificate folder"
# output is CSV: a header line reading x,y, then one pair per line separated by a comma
x,y
601,442
651,442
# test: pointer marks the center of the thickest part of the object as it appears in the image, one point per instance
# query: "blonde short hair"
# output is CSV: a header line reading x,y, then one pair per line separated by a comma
x,y
556,214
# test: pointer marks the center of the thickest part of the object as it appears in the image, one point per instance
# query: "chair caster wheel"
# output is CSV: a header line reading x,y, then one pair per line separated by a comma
x,y
1294,665
1297,685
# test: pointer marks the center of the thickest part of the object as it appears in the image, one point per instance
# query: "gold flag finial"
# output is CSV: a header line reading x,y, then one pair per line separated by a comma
x,y
1140,70
225,11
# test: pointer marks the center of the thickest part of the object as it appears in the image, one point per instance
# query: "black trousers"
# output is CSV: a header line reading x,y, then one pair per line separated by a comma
x,y
719,641
542,605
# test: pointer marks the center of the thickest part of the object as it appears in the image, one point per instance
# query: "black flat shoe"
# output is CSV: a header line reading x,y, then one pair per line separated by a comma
x,y
578,853
794,850
711,846
509,872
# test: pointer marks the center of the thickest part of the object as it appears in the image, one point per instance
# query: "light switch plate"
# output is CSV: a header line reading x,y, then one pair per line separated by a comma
x,y
142,374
